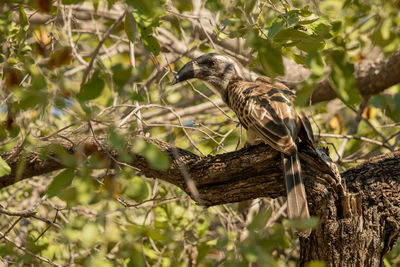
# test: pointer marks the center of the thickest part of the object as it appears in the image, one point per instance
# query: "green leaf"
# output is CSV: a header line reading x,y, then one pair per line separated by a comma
x,y
121,76
291,35
303,95
137,190
342,78
260,220
390,104
130,26
271,60
303,224
4,168
23,20
275,28
316,264
147,14
154,156
313,44
116,140
60,182
314,62
148,40
92,88
249,6
299,59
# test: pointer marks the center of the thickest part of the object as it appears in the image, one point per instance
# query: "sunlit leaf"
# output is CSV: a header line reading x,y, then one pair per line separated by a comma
x,y
60,182
23,20
130,26
137,189
342,78
271,60
92,88
43,6
276,26
154,156
290,35
13,78
316,264
4,168
60,57
303,224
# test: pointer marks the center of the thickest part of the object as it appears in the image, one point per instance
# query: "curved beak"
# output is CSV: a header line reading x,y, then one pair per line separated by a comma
x,y
188,71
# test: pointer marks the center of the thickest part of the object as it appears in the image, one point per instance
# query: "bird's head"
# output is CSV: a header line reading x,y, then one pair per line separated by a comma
x,y
218,70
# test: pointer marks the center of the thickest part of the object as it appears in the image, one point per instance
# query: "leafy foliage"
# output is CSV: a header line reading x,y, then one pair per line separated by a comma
x,y
117,217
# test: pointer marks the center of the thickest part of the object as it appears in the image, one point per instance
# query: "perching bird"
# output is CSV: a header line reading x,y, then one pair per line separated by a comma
x,y
267,112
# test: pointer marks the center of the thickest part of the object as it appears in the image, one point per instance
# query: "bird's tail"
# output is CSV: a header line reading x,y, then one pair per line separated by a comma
x,y
296,194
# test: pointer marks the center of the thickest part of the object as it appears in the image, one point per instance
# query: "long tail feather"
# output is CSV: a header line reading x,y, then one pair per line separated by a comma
x,y
296,194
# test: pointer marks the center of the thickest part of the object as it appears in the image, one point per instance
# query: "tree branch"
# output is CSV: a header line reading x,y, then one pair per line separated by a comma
x,y
235,176
372,78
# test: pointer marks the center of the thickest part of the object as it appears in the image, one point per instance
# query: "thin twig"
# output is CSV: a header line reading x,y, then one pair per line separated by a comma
x,y
96,51
29,252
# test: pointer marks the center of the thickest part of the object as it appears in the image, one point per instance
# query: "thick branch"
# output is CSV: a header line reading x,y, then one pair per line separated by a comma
x,y
365,207
372,78
235,176
230,177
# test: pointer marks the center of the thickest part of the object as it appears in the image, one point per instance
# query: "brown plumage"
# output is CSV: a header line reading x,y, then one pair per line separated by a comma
x,y
266,110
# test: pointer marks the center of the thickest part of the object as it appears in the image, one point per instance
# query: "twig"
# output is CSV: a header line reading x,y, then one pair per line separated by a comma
x,y
71,41
96,51
21,213
29,252
348,136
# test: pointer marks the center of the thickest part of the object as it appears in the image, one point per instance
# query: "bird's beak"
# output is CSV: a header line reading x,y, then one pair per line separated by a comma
x,y
188,71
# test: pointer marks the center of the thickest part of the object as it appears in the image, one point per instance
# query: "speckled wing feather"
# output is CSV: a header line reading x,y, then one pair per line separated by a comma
x,y
267,110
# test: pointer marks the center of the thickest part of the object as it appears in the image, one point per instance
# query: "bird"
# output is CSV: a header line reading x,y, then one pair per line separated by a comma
x,y
265,109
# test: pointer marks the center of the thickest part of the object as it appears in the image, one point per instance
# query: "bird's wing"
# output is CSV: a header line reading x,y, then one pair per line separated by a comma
x,y
268,110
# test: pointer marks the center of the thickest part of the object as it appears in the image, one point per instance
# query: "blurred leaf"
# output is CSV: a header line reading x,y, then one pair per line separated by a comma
x,y
313,44
146,15
116,140
43,6
303,224
4,168
260,220
249,6
342,78
130,26
275,28
314,62
90,234
92,88
316,264
137,190
35,95
290,35
390,104
70,2
271,60
299,59
23,20
60,182
303,95
60,57
13,78
121,76
154,156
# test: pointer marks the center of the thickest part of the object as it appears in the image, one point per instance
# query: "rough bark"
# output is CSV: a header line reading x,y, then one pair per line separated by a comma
x,y
359,215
